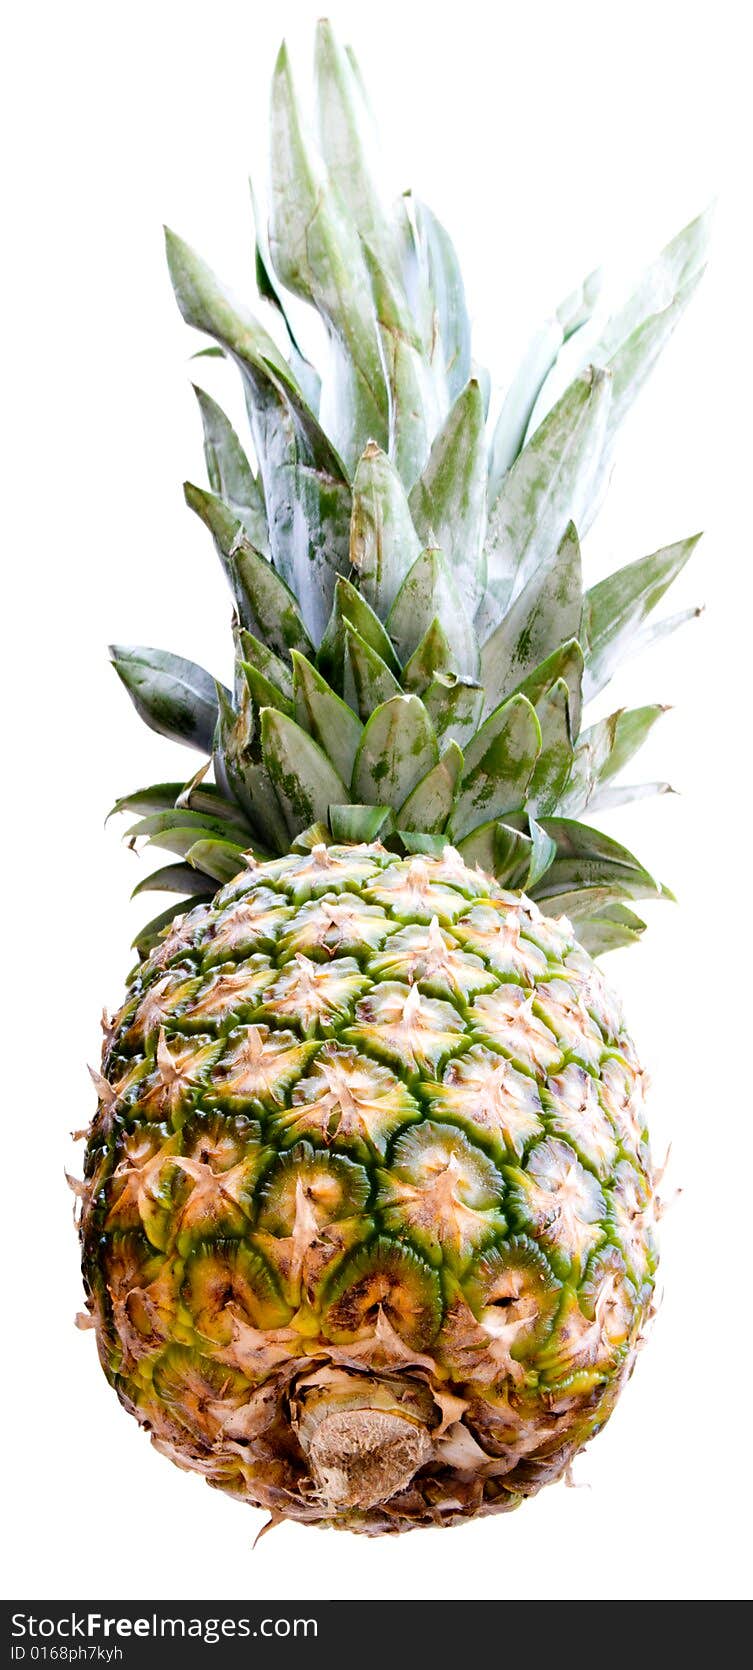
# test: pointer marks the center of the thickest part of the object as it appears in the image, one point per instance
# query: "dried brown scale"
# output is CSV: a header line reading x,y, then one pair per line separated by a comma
x,y
316,1276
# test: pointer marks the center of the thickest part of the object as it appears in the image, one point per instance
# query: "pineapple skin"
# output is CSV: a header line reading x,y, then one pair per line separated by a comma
x,y
367,1218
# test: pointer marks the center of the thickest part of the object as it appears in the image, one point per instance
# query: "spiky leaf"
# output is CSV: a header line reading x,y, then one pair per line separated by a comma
x,y
173,696
396,750
499,765
448,502
305,781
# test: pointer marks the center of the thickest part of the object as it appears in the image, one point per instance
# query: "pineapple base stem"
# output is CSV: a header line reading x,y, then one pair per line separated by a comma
x,y
361,1457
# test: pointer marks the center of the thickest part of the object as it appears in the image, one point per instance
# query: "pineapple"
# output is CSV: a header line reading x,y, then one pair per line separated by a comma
x,y
368,1209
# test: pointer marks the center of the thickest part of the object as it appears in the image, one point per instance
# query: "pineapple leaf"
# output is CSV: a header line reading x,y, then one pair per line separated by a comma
x,y
351,611
397,748
547,610
306,376
429,804
518,405
383,540
448,502
445,285
543,851
344,139
499,764
588,762
414,410
428,592
616,607
173,696
548,486
171,878
587,859
265,661
367,680
207,306
185,822
554,764
221,860
632,726
454,707
263,692
607,929
267,606
566,663
305,781
318,255
433,655
230,474
503,851
606,798
361,823
328,719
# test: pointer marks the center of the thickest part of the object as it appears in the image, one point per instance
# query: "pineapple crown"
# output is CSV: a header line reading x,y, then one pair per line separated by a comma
x,y
413,644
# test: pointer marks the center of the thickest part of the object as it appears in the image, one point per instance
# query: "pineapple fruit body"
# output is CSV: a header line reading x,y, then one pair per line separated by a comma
x,y
368,1197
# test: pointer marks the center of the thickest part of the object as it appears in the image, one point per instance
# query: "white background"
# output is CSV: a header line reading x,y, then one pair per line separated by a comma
x,y
547,137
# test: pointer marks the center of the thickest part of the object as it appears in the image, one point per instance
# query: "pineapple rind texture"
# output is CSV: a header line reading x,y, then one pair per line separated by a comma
x,y
369,1157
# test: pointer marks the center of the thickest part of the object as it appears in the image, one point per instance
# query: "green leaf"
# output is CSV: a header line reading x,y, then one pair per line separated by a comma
x,y
565,663
454,707
587,859
331,723
543,851
230,474
305,781
207,306
499,850
318,254
361,823
172,878
161,797
305,484
305,374
445,284
414,409
267,606
244,778
448,502
609,928
554,764
173,696
632,726
548,486
383,540
605,799
349,609
616,608
429,592
499,764
433,655
185,822
429,804
545,612
396,750
346,143
221,519
634,337
263,692
219,859
265,661
520,400
367,680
